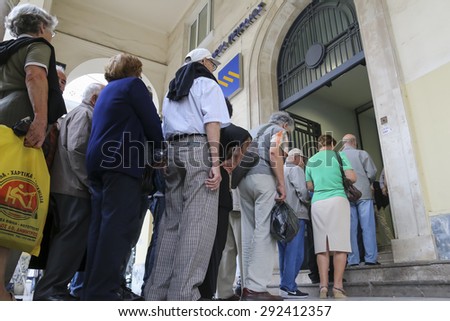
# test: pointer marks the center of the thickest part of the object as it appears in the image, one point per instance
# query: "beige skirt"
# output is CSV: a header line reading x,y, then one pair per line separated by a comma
x,y
331,220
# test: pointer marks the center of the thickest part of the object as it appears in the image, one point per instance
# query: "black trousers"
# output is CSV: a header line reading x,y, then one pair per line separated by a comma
x,y
67,248
209,285
114,229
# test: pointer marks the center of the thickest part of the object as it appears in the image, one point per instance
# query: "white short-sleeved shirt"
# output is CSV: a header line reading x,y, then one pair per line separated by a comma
x,y
204,104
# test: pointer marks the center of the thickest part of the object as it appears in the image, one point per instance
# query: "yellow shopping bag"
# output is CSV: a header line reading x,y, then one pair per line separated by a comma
x,y
24,193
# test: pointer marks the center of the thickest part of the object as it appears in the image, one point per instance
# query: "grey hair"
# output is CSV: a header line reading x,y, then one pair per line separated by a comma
x,y
28,18
281,118
90,91
60,68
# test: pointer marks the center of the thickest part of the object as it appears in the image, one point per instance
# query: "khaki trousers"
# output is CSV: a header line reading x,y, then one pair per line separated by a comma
x,y
258,193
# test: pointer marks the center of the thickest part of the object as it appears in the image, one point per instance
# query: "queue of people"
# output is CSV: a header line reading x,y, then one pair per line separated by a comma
x,y
99,203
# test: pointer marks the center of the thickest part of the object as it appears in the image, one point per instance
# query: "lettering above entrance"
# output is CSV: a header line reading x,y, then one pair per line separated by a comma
x,y
239,30
322,44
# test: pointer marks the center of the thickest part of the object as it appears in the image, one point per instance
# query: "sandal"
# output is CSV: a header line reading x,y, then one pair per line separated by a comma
x,y
323,293
339,293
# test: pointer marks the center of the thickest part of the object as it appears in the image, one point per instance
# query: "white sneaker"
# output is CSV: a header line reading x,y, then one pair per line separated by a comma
x,y
293,295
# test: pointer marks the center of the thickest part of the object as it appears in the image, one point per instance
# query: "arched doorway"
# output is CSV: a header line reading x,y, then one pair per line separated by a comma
x,y
323,43
323,82
414,238
96,68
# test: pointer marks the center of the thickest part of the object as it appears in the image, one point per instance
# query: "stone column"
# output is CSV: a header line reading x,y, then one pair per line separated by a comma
x,y
414,239
5,8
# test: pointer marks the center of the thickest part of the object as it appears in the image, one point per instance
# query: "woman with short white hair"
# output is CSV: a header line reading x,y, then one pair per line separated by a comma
x,y
28,88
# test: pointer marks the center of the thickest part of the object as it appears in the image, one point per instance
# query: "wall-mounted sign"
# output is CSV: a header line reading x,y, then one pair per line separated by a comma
x,y
239,30
230,76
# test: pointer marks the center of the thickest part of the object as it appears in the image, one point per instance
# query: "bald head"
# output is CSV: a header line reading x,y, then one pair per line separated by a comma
x,y
349,140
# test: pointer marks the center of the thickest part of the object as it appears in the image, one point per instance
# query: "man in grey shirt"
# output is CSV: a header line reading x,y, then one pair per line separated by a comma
x,y
291,254
194,111
69,189
362,211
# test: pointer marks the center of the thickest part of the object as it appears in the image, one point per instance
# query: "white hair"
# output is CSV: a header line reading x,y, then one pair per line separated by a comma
x,y
60,68
90,91
28,18
292,153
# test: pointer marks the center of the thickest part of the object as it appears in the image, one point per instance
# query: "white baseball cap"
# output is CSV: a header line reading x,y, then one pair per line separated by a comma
x,y
295,152
199,54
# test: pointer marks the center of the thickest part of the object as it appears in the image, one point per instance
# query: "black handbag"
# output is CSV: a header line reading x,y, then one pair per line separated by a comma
x,y
147,180
284,224
157,160
353,194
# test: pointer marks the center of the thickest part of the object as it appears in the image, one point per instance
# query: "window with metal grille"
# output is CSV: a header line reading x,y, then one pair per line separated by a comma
x,y
322,44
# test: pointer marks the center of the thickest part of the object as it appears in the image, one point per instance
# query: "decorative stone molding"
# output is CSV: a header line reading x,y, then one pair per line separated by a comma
x,y
414,242
263,92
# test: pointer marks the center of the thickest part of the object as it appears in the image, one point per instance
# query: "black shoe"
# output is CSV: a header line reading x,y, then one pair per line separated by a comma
x,y
238,289
352,265
293,295
56,297
125,294
373,263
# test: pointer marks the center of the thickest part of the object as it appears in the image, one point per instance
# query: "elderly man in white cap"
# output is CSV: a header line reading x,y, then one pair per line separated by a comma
x,y
291,254
194,110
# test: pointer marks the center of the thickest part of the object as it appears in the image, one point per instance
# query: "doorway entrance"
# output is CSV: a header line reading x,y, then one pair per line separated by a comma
x,y
323,80
305,134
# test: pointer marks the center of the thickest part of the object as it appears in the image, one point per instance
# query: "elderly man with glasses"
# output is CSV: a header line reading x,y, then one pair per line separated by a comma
x,y
194,110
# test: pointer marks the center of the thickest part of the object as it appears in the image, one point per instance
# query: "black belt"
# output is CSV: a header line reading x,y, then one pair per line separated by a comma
x,y
178,137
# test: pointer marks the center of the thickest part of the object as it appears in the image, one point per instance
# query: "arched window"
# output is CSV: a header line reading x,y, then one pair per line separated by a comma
x,y
322,44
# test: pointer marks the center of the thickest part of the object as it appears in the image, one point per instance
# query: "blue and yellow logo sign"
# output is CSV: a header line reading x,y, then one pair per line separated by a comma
x,y
230,76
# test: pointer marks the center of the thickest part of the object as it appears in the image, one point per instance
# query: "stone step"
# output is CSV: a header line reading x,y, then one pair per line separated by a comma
x,y
416,289
429,279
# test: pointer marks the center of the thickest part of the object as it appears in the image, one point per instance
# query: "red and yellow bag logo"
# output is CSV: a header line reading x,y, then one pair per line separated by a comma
x,y
24,193
19,197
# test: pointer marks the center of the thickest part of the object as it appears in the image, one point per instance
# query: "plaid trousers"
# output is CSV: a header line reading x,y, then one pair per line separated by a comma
x,y
188,227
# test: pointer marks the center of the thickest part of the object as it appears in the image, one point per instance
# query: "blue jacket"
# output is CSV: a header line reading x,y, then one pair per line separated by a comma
x,y
124,122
